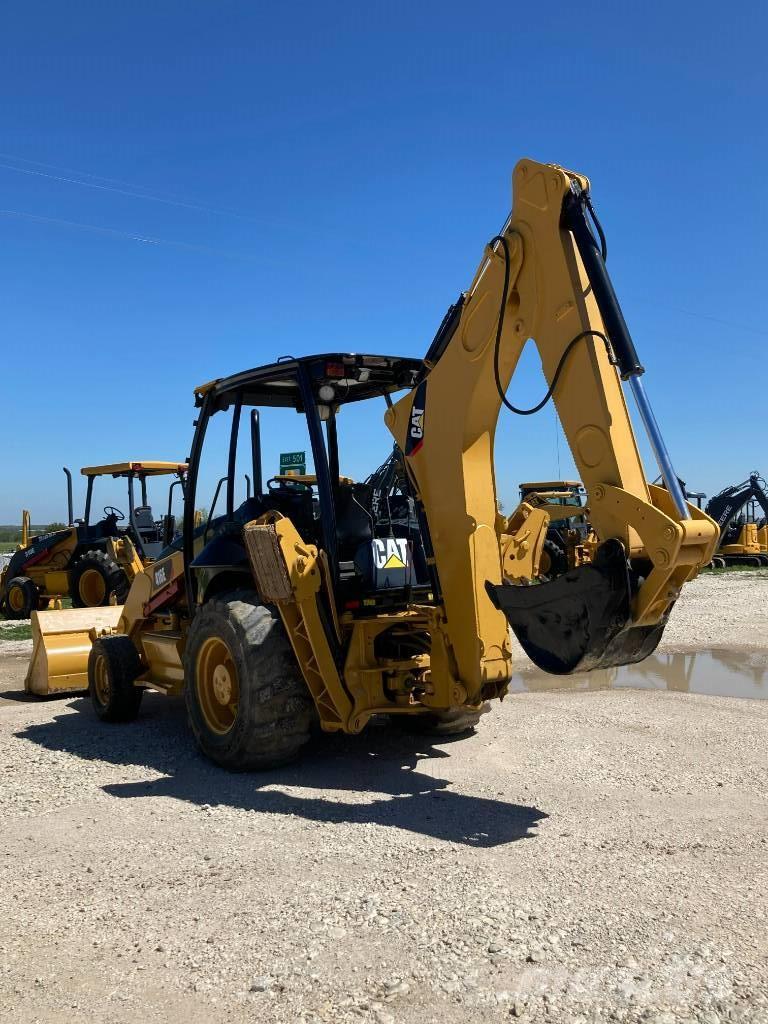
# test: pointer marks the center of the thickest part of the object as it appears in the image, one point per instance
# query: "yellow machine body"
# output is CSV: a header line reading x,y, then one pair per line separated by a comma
x,y
445,427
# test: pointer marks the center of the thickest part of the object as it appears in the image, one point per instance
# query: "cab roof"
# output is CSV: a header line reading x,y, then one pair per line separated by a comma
x,y
353,376
551,485
137,467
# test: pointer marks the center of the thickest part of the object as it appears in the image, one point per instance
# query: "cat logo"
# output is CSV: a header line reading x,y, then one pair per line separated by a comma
x,y
390,553
417,424
415,438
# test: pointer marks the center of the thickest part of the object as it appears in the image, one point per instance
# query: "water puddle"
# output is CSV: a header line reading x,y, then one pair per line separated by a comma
x,y
714,673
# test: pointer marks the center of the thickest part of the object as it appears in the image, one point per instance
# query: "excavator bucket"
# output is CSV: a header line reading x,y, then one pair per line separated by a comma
x,y
61,643
581,620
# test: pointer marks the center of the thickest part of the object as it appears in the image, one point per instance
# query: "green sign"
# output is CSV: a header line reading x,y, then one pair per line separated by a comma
x,y
292,460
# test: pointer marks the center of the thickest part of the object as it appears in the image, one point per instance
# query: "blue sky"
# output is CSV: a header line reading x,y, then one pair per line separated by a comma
x,y
188,189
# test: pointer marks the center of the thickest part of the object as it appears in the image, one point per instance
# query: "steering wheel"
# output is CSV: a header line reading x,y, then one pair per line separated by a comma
x,y
110,510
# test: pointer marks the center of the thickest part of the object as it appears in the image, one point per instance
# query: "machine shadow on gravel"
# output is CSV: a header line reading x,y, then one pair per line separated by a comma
x,y
380,761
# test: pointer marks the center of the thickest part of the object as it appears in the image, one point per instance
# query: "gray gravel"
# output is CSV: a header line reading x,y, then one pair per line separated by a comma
x,y
583,857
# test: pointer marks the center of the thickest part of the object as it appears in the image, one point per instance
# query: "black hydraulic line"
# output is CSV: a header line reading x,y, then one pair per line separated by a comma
x,y
575,220
442,338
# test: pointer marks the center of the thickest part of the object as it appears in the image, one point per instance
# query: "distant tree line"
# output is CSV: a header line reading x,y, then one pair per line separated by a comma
x,y
12,534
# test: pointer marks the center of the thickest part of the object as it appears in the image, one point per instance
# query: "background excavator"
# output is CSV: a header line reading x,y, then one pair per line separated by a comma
x,y
94,556
336,601
743,538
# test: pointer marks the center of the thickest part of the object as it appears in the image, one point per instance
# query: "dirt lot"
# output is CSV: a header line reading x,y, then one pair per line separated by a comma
x,y
582,857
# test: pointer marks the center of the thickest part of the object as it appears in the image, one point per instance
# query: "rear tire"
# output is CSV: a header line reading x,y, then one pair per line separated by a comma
x,y
95,576
455,722
113,665
248,704
21,598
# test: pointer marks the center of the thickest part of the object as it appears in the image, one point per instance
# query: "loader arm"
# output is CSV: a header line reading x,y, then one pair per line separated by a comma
x,y
544,278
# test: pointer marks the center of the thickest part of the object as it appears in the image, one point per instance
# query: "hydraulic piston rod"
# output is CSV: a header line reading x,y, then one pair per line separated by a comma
x,y
622,344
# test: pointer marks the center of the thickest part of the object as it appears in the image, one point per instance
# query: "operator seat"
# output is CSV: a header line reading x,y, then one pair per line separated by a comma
x,y
145,522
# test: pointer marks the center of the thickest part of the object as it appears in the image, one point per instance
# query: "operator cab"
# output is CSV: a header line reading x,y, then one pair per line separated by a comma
x,y
569,493
149,535
368,529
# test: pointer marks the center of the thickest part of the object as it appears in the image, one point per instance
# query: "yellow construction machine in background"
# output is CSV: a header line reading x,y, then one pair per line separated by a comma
x,y
336,601
549,532
90,560
743,539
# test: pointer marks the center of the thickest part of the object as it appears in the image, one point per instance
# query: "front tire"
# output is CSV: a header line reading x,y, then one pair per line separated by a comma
x,y
21,598
248,704
554,561
113,665
93,578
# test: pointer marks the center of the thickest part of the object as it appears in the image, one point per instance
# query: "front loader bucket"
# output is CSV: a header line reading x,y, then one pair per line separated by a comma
x,y
61,643
582,619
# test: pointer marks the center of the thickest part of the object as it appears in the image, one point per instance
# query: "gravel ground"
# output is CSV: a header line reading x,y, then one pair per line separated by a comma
x,y
583,857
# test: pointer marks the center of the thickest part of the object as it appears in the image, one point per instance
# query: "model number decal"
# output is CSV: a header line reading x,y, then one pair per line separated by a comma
x,y
161,575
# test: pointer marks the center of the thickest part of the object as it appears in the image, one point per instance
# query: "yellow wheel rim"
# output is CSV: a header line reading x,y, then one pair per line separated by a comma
x,y
16,599
217,686
92,588
101,682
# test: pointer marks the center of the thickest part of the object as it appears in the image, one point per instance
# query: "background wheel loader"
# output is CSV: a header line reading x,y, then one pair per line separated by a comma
x,y
568,532
90,560
336,601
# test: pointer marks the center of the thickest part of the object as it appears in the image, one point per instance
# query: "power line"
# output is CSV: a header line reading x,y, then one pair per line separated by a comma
x,y
145,194
78,171
653,304
145,239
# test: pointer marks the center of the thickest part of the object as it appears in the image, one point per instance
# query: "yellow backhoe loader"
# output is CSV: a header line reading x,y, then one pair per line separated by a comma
x,y
90,560
336,601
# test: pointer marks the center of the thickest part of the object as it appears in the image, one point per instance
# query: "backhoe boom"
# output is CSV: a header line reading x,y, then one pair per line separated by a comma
x,y
533,283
